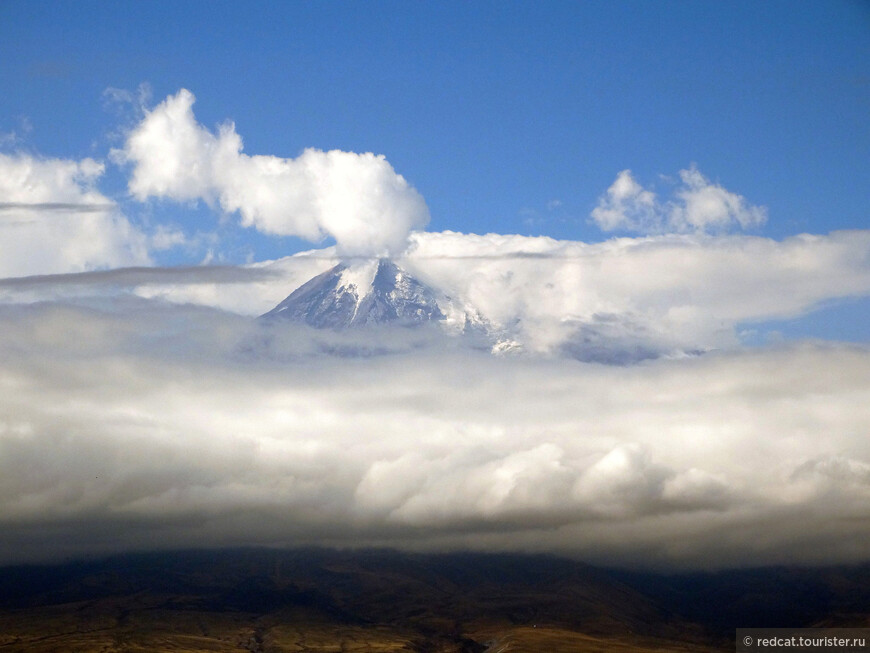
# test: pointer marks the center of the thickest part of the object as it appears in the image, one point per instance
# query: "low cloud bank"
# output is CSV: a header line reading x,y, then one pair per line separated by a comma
x,y
144,425
619,301
665,295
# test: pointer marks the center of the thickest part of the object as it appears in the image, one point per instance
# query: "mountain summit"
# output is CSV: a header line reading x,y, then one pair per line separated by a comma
x,y
360,294
377,292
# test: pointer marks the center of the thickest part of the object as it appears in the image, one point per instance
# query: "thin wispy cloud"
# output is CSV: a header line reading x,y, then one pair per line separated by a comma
x,y
57,206
137,276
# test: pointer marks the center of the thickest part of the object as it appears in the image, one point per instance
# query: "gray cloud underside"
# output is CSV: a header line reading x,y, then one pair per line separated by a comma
x,y
58,206
138,276
245,289
154,425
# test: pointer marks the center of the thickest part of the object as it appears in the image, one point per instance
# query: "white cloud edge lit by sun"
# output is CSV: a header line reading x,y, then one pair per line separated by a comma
x,y
698,206
357,199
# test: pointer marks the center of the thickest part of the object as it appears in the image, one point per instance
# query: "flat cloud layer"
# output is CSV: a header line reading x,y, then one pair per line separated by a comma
x,y
620,300
667,294
131,423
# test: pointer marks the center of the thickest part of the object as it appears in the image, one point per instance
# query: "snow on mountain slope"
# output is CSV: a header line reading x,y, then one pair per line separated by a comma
x,y
360,294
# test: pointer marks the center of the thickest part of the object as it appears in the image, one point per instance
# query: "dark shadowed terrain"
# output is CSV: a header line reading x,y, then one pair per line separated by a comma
x,y
331,601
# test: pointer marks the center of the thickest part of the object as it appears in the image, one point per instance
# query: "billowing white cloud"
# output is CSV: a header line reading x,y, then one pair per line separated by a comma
x,y
627,206
698,206
54,220
358,199
154,425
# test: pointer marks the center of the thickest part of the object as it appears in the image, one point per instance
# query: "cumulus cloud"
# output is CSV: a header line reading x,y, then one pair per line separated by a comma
x,y
54,220
142,424
357,199
698,206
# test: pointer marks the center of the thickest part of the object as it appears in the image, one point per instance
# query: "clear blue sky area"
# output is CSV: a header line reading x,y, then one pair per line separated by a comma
x,y
491,109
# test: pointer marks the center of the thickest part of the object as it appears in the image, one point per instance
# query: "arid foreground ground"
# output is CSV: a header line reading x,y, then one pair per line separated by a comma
x,y
379,601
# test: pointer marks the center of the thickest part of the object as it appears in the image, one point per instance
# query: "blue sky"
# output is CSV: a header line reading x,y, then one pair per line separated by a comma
x,y
491,110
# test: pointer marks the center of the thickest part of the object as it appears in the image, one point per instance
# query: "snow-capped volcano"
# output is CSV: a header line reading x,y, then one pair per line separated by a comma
x,y
360,294
381,293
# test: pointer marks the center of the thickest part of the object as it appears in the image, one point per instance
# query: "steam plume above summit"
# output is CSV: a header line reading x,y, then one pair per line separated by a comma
x,y
357,199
